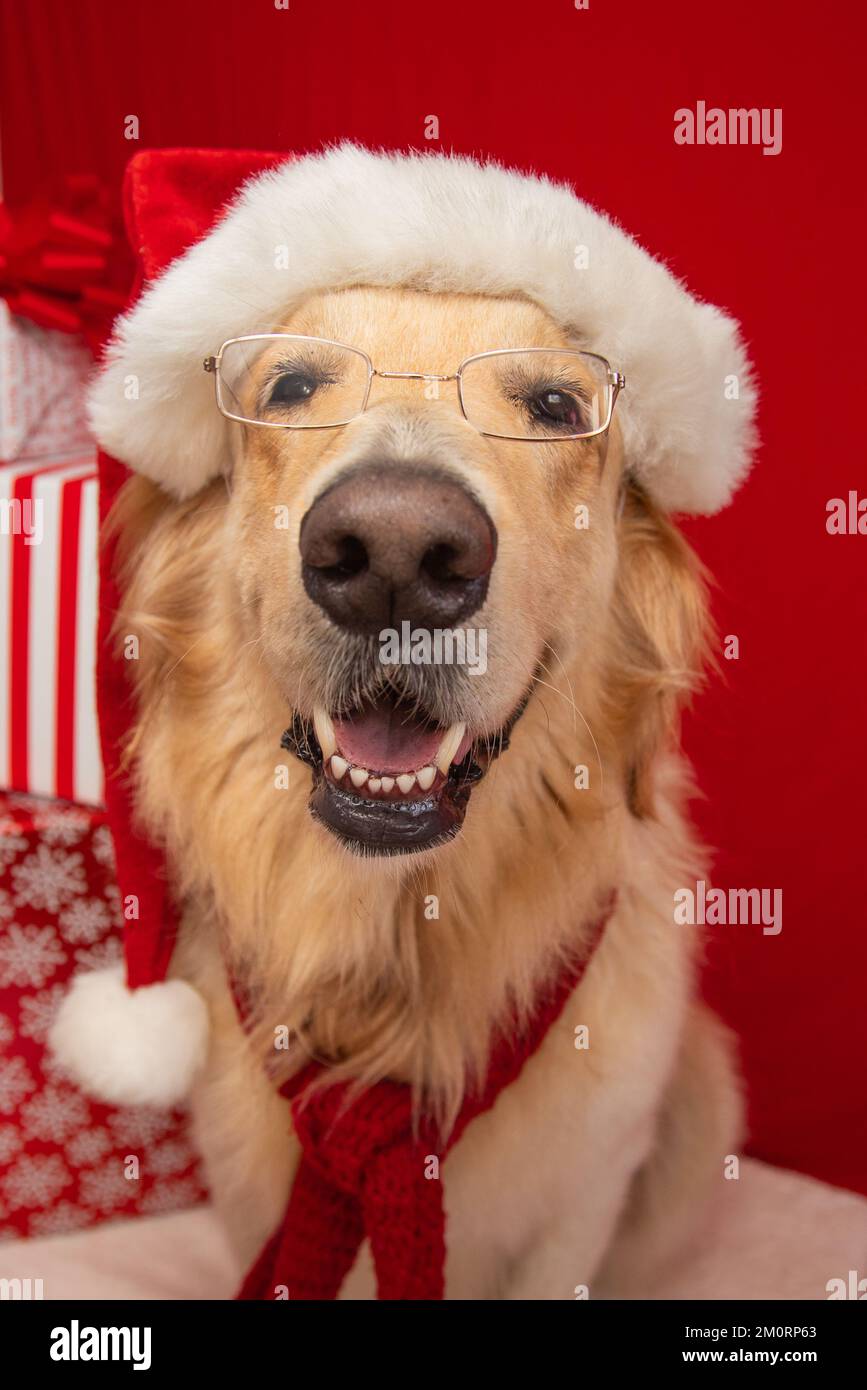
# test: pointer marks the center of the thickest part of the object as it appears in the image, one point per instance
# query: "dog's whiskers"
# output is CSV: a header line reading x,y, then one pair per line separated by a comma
x,y
570,700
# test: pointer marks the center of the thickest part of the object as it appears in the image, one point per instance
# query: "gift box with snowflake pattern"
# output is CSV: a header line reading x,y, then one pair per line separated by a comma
x,y
66,1161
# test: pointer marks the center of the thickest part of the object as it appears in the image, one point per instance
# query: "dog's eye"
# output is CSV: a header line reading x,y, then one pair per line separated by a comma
x,y
555,406
292,388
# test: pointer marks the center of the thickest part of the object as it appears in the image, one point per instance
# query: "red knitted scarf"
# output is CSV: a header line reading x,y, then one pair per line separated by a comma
x,y
363,1174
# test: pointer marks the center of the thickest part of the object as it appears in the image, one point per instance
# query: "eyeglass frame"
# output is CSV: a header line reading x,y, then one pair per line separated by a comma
x,y
616,383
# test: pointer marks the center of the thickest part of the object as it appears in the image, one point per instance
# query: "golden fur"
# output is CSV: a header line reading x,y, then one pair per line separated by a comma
x,y
340,949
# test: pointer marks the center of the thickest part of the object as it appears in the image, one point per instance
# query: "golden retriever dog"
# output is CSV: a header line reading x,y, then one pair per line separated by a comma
x,y
433,839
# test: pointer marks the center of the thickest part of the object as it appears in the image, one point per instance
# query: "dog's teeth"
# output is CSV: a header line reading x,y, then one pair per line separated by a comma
x,y
426,777
374,783
406,782
358,776
450,744
324,732
387,784
338,767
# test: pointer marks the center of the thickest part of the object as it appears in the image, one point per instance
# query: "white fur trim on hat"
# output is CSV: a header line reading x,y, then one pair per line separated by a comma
x,y
131,1047
351,216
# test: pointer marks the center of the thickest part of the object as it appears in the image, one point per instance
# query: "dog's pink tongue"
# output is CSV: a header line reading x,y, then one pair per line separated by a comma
x,y
386,740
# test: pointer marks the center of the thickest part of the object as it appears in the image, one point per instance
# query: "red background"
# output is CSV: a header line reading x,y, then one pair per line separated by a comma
x,y
589,97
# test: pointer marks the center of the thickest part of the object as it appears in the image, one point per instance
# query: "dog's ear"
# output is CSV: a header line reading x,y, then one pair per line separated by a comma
x,y
172,198
662,638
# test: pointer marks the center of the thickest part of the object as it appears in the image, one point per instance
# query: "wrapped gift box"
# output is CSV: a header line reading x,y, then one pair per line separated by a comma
x,y
49,521
66,1161
42,380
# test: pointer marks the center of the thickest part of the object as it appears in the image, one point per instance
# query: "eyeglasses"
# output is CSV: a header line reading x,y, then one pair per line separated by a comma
x,y
287,381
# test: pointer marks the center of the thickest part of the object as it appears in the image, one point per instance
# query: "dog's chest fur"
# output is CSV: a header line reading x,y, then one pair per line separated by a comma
x,y
535,1188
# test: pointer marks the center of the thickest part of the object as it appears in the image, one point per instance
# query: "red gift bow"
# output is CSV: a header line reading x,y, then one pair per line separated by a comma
x,y
64,262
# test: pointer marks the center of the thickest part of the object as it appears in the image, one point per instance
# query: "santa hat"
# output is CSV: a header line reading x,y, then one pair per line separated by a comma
x,y
229,241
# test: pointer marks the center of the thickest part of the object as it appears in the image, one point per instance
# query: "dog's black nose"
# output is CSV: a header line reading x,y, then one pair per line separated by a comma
x,y
386,545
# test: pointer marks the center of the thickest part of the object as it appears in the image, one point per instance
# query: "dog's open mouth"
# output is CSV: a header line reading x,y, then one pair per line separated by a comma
x,y
387,779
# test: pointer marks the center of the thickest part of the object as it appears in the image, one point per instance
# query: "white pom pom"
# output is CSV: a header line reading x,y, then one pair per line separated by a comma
x,y
131,1047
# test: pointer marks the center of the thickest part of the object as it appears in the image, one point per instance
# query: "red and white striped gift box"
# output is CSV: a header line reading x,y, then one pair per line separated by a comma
x,y
49,522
